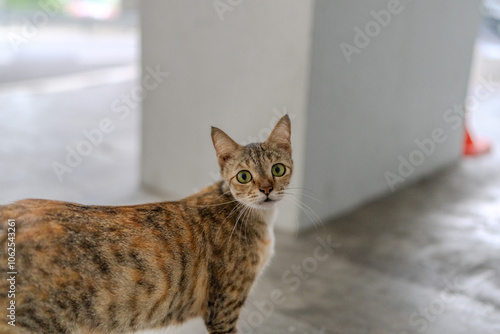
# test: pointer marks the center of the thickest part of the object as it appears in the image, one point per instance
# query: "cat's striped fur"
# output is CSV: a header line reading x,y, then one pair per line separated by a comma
x,y
118,269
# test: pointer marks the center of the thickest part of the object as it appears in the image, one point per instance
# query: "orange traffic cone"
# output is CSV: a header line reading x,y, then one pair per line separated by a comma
x,y
475,146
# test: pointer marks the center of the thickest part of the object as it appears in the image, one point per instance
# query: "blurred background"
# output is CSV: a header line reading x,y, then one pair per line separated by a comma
x,y
395,114
61,67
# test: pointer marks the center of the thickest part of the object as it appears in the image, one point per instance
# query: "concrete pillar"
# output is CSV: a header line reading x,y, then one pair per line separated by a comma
x,y
384,76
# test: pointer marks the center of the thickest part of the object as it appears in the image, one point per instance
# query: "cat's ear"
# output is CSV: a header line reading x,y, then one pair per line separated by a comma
x,y
223,144
280,136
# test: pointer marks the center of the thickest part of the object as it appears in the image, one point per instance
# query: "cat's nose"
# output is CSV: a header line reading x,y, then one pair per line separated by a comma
x,y
266,190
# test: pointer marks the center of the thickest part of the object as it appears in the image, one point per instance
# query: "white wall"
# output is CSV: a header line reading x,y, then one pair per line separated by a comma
x,y
364,114
351,121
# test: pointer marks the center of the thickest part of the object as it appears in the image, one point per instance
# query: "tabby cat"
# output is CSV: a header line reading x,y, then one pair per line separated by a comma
x,y
119,269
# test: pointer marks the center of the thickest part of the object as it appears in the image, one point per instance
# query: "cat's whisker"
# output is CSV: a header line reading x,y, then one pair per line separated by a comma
x,y
224,208
242,222
224,193
313,216
306,213
248,214
235,209
246,224
306,195
296,197
236,223
245,208
312,212
251,212
212,205
286,200
303,194
303,189
224,203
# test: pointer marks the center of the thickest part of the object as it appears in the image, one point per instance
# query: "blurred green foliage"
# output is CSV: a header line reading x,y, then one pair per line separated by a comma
x,y
25,5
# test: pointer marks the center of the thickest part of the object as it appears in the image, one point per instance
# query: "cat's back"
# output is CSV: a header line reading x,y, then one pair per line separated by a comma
x,y
38,221
30,215
107,267
23,208
51,217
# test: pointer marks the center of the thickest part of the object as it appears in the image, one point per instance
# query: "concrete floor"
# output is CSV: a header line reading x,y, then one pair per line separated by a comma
x,y
424,260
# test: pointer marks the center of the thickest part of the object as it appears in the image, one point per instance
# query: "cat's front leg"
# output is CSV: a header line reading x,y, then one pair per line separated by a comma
x,y
222,318
223,327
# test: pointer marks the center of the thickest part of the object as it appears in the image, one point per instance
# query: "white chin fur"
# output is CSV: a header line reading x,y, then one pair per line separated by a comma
x,y
263,205
267,205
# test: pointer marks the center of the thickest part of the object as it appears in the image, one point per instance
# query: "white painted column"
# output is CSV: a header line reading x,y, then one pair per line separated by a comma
x,y
237,67
377,106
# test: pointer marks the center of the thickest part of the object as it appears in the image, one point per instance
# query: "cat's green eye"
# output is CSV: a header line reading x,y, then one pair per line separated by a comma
x,y
279,170
244,176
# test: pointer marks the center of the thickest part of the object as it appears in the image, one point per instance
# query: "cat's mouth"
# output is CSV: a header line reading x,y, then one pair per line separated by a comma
x,y
267,203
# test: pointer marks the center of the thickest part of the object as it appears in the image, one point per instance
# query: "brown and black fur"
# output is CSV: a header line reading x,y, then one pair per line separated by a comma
x,y
119,269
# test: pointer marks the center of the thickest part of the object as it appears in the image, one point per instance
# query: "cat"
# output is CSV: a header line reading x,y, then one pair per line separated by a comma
x,y
120,269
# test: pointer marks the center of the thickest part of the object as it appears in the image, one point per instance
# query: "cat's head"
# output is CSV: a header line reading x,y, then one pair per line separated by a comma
x,y
259,173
